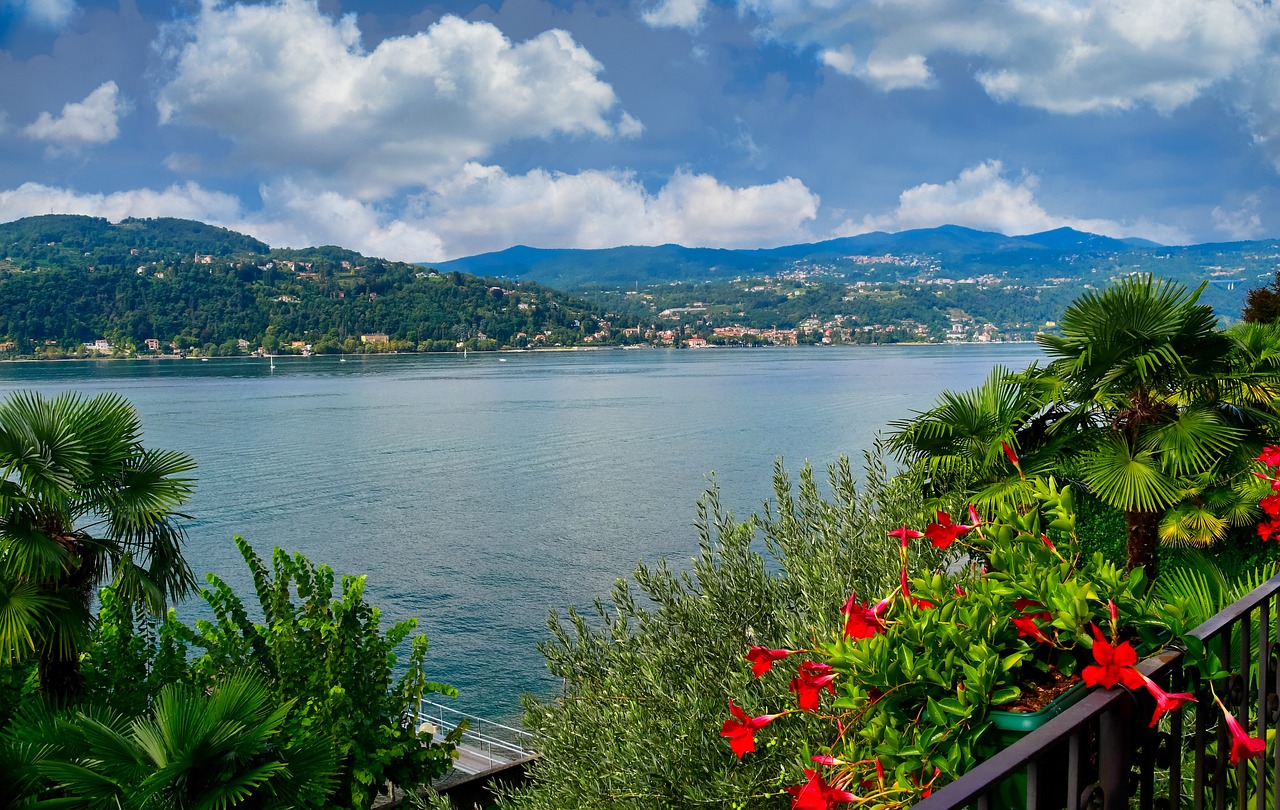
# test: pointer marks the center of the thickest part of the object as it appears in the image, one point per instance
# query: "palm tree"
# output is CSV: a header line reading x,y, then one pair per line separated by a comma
x,y
960,441
82,502
1157,409
1157,399
192,751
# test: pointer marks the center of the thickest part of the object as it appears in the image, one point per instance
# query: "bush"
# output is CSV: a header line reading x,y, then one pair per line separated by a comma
x,y
647,673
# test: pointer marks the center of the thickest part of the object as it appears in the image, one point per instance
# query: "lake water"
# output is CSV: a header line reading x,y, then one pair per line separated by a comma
x,y
479,492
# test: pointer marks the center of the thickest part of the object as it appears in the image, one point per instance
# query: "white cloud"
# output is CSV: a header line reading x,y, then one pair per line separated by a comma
x,y
187,201
686,14
92,121
484,208
1242,222
48,13
298,94
480,208
982,197
1065,56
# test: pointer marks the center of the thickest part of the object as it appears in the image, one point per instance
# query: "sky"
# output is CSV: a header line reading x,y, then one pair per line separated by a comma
x,y
429,131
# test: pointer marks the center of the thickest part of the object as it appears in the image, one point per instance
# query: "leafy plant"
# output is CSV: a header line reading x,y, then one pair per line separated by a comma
x,y
82,502
331,659
646,672
908,684
193,750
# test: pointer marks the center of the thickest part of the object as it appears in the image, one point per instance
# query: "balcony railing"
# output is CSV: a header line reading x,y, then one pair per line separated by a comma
x,y
1101,754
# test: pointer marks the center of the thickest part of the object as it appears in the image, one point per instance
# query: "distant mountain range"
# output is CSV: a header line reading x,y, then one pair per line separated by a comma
x,y
950,250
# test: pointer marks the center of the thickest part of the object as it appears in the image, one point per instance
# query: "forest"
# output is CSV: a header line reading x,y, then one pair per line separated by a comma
x,y
195,289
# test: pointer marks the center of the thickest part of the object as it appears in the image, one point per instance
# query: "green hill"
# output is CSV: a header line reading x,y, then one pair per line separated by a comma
x,y
70,280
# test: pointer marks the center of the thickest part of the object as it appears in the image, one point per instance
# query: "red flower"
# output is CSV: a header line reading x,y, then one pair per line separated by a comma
x,y
862,621
1012,456
817,794
741,730
1044,538
813,677
905,535
1165,701
943,532
1269,529
762,659
1271,505
1027,627
1241,743
1022,603
906,593
1270,456
1115,665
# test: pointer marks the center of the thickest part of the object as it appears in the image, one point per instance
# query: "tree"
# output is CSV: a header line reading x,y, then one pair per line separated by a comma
x,y
1153,388
192,749
82,502
647,673
1153,407
1262,304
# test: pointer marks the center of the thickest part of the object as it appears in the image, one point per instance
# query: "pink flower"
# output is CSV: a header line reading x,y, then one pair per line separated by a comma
x,y
974,518
762,659
1241,743
1270,456
741,730
817,794
943,532
905,535
1165,701
1114,665
862,621
808,684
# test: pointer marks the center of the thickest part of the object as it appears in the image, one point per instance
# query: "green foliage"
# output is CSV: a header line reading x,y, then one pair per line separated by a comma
x,y
1152,407
913,688
72,280
193,749
82,502
646,674
331,659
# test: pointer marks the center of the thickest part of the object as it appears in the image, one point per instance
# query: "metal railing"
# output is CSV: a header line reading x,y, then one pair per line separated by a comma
x,y
484,743
1101,754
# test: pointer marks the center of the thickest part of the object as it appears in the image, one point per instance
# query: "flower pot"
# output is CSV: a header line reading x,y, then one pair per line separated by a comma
x,y
1011,793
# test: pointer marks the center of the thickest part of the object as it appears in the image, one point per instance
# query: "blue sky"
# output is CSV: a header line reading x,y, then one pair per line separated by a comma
x,y
430,131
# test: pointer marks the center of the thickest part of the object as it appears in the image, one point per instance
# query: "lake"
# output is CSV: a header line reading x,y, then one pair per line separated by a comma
x,y
479,492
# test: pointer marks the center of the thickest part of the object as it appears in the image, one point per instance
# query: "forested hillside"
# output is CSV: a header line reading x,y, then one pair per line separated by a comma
x,y
67,281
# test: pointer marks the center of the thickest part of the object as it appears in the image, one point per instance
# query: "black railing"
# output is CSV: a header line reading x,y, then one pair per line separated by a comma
x,y
1101,754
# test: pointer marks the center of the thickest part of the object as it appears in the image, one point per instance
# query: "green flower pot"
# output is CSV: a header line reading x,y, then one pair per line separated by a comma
x,y
1011,793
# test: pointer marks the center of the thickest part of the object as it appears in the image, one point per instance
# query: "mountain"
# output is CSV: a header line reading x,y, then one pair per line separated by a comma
x,y
953,244
179,285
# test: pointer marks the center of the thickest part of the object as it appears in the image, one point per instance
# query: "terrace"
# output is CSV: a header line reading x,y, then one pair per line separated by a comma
x,y
1100,753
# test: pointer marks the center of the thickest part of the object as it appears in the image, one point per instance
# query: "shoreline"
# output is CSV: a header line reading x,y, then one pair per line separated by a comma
x,y
537,350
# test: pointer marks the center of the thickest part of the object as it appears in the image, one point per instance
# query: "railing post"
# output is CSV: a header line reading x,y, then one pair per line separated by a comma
x,y
1113,755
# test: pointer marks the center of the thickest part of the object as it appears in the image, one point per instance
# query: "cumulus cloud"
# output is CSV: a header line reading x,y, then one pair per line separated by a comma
x,y
480,208
484,208
1241,222
92,121
686,14
1065,56
983,197
298,94
187,201
46,13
